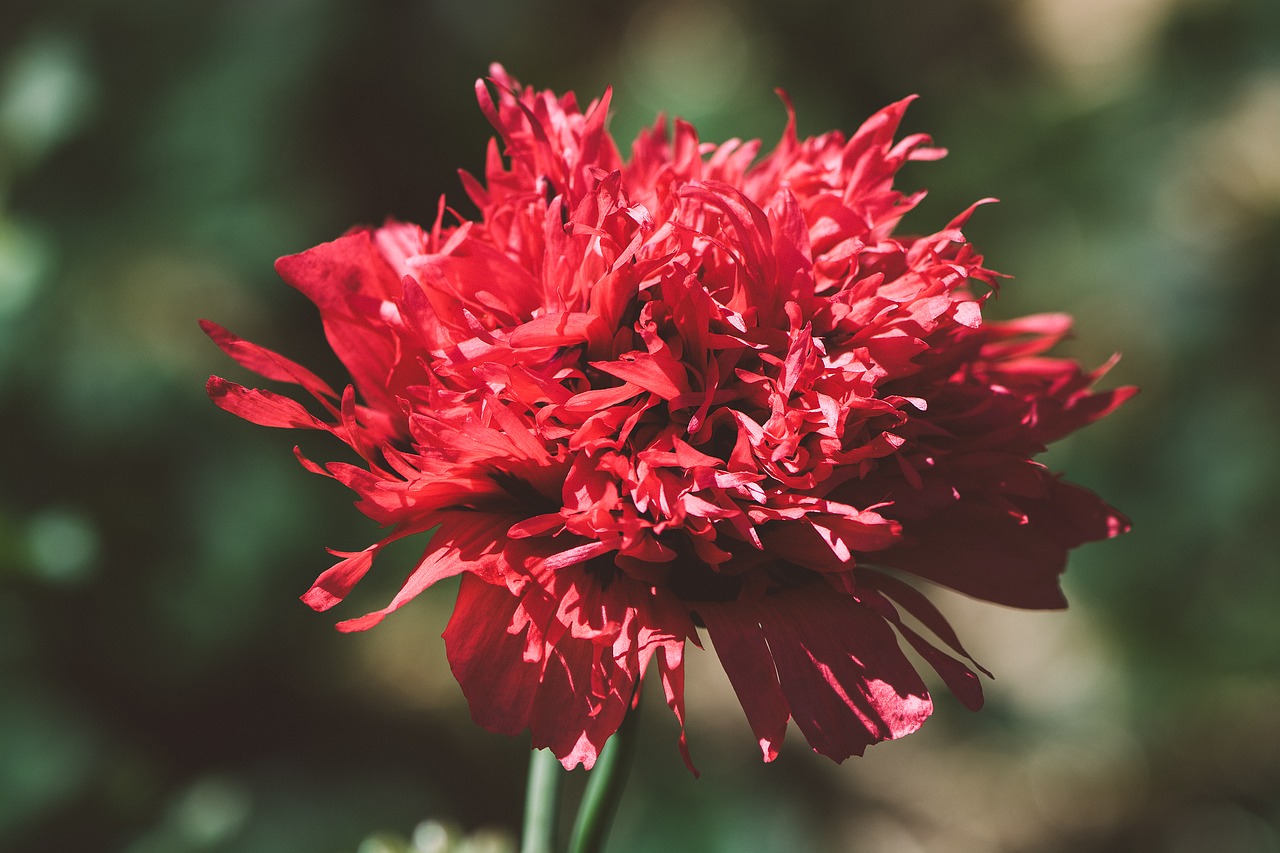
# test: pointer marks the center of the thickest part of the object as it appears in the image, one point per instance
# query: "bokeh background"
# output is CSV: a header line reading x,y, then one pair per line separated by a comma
x,y
163,691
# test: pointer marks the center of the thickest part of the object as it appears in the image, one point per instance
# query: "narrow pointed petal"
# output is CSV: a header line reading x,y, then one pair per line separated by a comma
x,y
747,660
261,407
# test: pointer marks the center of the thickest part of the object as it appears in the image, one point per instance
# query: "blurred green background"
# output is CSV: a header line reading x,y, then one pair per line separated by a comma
x,y
163,691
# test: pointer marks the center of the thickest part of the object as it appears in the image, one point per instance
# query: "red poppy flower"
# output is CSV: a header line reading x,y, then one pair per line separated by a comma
x,y
636,399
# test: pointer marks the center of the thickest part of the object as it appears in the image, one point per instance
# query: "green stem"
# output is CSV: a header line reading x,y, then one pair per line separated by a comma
x,y
604,788
541,801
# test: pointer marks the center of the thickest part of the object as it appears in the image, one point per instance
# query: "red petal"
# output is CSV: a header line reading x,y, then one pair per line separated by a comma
x,y
552,696
477,275
848,683
333,275
333,585
261,407
671,669
265,362
960,680
746,659
554,330
657,373
978,548
918,606
330,272
466,542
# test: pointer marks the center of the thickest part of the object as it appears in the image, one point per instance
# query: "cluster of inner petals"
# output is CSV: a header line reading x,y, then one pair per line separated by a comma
x,y
692,389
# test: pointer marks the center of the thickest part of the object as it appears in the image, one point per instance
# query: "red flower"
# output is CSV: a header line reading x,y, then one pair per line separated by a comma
x,y
636,399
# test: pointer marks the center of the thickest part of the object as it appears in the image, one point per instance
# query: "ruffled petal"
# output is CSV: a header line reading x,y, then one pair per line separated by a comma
x,y
464,542
696,388
342,278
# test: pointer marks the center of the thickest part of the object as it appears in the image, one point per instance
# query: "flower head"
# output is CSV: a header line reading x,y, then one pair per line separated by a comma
x,y
689,390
